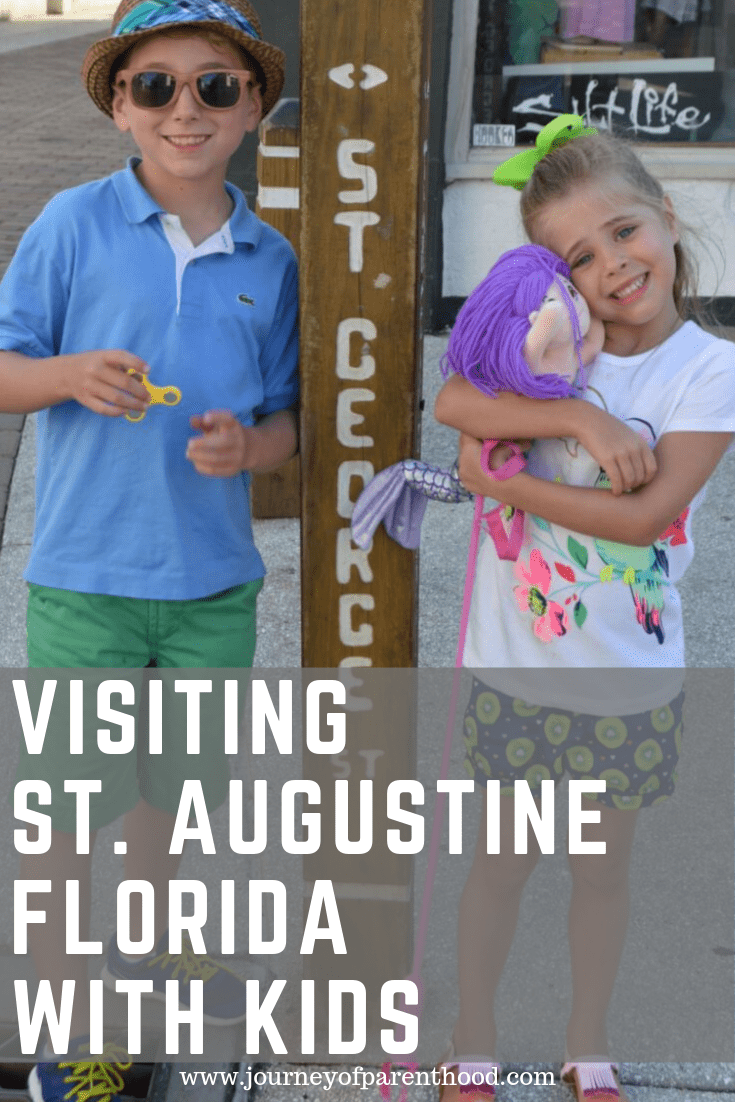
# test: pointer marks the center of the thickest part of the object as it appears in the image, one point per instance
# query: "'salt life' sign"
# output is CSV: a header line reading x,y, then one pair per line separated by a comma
x,y
668,107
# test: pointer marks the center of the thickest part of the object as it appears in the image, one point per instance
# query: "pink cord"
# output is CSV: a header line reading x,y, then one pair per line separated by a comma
x,y
511,467
469,583
441,797
507,544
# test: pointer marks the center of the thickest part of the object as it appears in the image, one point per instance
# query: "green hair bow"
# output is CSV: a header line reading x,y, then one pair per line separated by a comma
x,y
516,172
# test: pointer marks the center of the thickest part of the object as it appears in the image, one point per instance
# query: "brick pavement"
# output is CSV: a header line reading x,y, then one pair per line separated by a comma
x,y
51,137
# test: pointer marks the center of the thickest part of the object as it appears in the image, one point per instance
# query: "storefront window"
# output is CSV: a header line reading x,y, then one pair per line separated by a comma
x,y
651,70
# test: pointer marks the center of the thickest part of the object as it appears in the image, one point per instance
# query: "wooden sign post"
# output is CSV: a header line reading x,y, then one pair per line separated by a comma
x,y
363,124
363,133
373,887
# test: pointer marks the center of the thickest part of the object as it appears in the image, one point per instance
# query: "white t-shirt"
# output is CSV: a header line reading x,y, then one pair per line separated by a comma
x,y
573,602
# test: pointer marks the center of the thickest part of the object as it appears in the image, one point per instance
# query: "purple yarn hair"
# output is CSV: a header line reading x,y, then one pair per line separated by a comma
x,y
486,345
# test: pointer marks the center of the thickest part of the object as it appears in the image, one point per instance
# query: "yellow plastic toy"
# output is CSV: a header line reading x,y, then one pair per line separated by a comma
x,y
160,395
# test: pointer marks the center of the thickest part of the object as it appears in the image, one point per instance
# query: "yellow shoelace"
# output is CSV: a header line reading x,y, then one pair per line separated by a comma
x,y
93,1079
193,967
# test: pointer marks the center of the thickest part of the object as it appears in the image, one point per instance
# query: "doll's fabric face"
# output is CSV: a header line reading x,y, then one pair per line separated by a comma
x,y
580,304
550,345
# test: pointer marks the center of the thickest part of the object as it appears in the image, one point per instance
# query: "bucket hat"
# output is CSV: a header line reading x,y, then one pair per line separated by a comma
x,y
135,20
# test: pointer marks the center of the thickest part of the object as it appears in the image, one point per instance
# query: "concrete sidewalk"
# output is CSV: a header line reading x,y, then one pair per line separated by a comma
x,y
50,141
20,34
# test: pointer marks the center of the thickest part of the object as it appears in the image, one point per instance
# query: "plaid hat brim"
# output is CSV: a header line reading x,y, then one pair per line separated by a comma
x,y
102,55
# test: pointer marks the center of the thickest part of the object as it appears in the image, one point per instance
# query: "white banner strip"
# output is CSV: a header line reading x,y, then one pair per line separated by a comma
x,y
283,198
279,150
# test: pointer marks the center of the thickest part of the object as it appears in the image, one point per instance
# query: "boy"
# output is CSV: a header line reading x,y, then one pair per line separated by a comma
x,y
143,552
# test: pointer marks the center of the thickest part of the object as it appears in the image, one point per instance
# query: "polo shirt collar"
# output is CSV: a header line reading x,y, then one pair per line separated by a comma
x,y
245,227
138,205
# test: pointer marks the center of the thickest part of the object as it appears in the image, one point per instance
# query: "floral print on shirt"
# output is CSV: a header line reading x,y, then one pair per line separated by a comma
x,y
552,588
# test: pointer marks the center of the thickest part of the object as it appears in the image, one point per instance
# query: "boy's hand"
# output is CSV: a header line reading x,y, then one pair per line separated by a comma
x,y
225,447
100,381
626,457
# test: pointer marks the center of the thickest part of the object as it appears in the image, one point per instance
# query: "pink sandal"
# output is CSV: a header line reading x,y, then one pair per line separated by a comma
x,y
479,1074
592,1078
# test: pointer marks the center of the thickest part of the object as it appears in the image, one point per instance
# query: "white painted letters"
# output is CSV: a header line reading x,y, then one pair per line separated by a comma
x,y
366,367
347,418
350,169
356,221
349,635
348,557
347,470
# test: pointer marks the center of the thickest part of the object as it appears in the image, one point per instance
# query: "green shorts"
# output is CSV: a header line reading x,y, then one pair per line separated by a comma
x,y
94,632
91,630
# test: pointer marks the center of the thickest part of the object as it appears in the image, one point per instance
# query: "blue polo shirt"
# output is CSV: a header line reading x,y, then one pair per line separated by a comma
x,y
119,508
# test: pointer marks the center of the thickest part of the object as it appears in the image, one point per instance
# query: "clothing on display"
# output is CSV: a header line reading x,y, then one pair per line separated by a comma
x,y
609,20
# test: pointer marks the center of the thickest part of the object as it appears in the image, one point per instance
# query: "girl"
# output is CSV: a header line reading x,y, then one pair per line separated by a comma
x,y
594,584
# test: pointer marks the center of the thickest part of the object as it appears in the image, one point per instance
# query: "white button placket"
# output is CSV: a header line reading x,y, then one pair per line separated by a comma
x,y
184,251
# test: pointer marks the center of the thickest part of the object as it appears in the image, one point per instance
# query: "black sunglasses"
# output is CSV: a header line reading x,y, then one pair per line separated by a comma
x,y
219,89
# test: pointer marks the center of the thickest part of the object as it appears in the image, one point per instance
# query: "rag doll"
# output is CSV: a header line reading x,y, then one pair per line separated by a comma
x,y
525,329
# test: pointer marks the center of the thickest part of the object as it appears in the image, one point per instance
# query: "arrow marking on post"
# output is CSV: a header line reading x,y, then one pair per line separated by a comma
x,y
342,75
372,76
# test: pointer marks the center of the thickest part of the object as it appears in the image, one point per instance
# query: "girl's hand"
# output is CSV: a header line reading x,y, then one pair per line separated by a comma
x,y
625,457
471,473
502,452
685,462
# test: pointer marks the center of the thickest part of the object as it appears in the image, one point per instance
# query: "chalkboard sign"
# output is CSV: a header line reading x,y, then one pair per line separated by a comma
x,y
664,107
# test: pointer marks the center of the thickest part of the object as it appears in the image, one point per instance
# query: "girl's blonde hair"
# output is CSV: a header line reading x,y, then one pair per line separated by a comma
x,y
601,158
